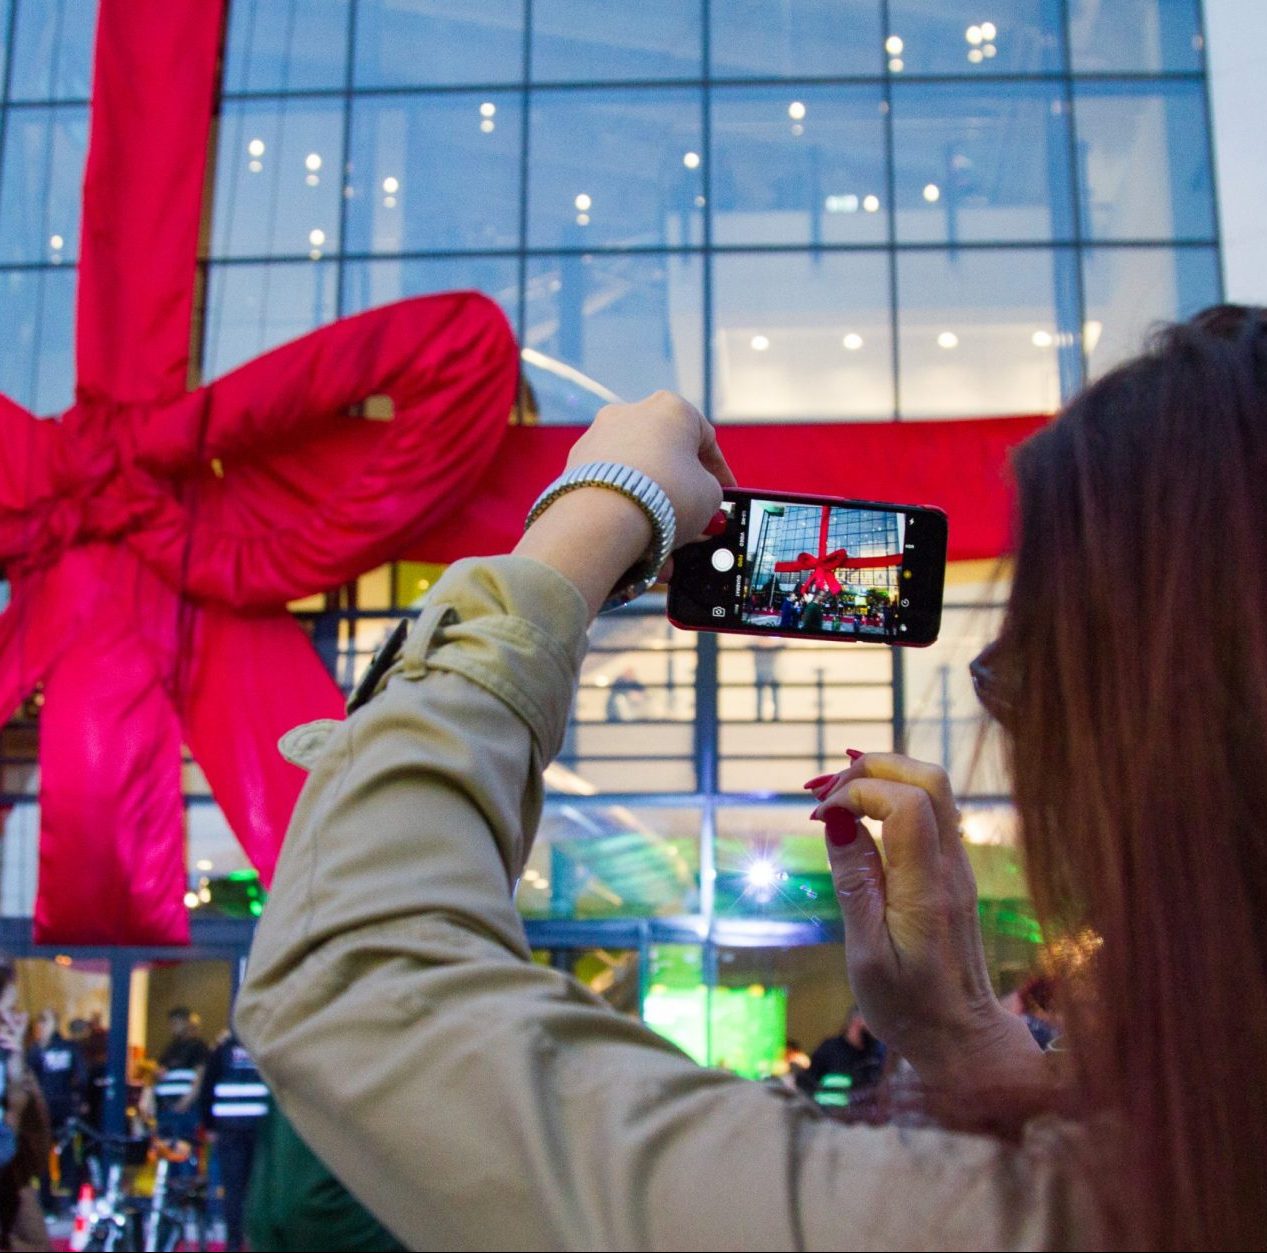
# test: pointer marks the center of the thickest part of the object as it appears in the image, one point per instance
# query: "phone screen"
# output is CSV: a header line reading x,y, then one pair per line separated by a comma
x,y
846,570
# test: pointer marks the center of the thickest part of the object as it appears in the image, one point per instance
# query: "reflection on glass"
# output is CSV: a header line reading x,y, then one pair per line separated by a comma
x,y
787,713
278,179
1135,35
944,720
402,43
612,861
578,40
966,37
52,49
632,723
981,166
37,362
44,152
615,167
772,863
796,165
19,871
286,47
369,284
795,38
1129,290
625,325
802,337
434,173
251,308
985,332
1145,162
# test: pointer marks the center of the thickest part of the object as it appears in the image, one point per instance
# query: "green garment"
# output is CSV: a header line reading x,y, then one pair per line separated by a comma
x,y
295,1204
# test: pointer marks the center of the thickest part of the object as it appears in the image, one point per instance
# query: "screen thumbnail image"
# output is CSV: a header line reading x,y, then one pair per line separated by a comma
x,y
823,568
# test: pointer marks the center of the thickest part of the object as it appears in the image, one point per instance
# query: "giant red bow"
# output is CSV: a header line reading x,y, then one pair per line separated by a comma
x,y
153,535
823,564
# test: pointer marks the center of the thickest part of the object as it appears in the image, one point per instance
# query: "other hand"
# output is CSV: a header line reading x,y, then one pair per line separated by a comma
x,y
913,943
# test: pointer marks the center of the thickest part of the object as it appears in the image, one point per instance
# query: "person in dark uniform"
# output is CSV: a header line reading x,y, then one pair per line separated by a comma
x,y
58,1066
235,1102
812,616
182,1067
845,1068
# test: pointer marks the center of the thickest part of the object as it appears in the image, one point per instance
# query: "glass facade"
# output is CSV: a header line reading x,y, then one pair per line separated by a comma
x,y
799,210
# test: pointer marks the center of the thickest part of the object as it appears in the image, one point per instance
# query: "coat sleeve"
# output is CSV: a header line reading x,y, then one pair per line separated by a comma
x,y
473,1099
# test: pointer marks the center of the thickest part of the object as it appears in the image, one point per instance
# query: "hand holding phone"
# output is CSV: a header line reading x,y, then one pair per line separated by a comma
x,y
815,567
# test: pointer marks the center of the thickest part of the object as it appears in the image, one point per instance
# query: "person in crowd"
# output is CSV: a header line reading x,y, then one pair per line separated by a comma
x,y
765,669
235,1102
1032,1002
625,693
789,613
182,1067
58,1066
812,615
846,1067
25,1136
473,1098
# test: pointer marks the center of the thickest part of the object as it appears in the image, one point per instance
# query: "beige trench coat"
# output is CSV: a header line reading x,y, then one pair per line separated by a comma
x,y
473,1099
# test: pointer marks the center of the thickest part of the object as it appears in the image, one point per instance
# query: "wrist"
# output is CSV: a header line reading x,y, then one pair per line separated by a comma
x,y
995,1050
591,536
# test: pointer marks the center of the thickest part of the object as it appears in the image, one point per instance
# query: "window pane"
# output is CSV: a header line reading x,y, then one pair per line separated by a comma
x,y
612,863
37,361
369,284
772,863
822,695
290,47
981,331
944,719
251,308
798,165
1128,290
1145,161
802,337
52,49
435,172
950,37
795,38
632,726
628,324
277,179
40,183
407,42
974,165
600,39
615,167
1145,35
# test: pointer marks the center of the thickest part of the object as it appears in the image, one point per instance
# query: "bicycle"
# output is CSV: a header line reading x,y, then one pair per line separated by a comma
x,y
122,1221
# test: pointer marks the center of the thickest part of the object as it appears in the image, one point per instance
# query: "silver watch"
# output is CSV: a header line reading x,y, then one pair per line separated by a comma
x,y
644,492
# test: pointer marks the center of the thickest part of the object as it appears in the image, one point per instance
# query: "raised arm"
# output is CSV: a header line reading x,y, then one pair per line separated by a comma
x,y
471,1098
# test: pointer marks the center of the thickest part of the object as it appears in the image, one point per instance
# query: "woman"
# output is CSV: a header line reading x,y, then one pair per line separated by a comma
x,y
25,1138
473,1099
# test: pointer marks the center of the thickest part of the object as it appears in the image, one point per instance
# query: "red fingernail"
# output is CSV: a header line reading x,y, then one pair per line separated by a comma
x,y
853,754
817,781
716,524
842,827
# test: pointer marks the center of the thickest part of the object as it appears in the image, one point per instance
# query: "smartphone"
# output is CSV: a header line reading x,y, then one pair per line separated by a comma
x,y
815,567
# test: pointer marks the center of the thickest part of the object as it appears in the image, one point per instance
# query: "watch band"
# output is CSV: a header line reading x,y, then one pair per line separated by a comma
x,y
647,494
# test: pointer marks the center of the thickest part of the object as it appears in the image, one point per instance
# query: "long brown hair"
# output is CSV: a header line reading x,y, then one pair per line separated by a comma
x,y
1135,653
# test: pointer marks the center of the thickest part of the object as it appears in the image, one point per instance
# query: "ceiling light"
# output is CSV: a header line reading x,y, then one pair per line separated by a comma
x,y
974,35
796,110
583,202
256,147
988,30
1042,339
852,341
391,185
760,343
975,55
893,45
56,243
871,203
316,237
488,109
488,126
691,160
932,193
897,65
947,339
313,161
